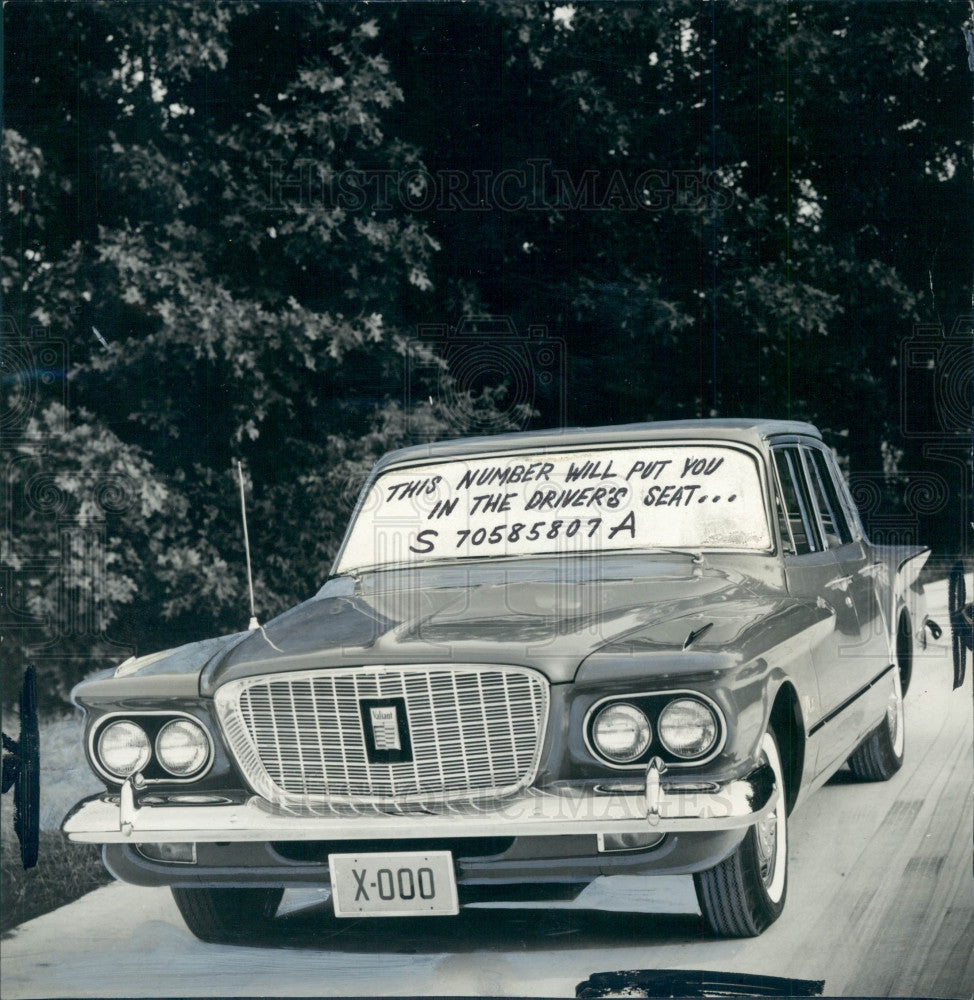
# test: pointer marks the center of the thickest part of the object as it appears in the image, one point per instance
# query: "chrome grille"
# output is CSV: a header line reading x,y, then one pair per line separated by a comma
x,y
298,737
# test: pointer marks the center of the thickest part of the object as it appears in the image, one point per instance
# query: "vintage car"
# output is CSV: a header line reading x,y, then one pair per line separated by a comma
x,y
539,659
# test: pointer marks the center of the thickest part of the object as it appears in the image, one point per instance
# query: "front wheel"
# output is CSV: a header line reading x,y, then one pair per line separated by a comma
x,y
745,893
224,916
880,755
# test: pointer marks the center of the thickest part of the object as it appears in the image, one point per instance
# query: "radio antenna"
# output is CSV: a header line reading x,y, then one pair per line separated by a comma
x,y
254,624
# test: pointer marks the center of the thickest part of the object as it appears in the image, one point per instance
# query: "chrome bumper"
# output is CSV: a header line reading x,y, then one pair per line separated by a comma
x,y
649,804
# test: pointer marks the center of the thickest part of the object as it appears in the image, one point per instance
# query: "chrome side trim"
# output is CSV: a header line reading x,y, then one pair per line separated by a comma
x,y
838,710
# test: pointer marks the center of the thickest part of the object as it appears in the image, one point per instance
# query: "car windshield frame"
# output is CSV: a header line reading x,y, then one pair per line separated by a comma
x,y
540,452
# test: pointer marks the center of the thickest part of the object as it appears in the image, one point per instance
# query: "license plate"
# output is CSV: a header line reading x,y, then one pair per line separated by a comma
x,y
409,884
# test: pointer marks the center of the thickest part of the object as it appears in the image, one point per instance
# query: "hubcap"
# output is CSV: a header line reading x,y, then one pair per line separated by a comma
x,y
771,833
767,838
894,715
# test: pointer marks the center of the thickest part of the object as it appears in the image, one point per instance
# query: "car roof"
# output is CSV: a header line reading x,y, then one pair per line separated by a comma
x,y
748,430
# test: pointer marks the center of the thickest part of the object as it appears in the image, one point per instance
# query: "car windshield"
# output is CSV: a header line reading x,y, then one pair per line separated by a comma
x,y
674,496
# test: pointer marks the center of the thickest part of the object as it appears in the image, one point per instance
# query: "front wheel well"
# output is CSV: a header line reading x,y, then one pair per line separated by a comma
x,y
789,730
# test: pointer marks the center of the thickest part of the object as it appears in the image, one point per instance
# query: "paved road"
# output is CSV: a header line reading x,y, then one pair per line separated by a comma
x,y
881,903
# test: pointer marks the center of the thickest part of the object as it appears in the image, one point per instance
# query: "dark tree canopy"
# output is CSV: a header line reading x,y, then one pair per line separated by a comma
x,y
233,222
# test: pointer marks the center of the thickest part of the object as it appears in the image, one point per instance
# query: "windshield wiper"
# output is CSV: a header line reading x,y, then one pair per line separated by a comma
x,y
695,554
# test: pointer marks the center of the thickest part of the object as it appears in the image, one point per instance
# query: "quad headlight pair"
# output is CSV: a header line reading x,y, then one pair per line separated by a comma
x,y
687,728
181,747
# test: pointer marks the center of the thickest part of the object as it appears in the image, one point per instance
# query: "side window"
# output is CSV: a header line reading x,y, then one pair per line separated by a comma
x,y
797,501
830,511
788,543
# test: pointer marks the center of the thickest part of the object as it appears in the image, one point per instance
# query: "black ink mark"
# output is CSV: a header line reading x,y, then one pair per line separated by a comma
x,y
690,983
495,475
652,469
490,503
443,508
589,470
961,622
412,488
424,538
21,769
700,466
587,496
628,523
670,496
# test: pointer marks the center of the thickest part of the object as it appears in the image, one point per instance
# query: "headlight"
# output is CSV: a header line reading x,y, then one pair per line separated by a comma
x,y
687,728
621,732
123,748
182,747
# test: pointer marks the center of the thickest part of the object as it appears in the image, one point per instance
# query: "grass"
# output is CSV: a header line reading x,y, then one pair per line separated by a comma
x,y
64,872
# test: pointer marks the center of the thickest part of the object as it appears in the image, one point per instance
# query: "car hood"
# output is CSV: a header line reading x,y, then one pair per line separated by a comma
x,y
530,615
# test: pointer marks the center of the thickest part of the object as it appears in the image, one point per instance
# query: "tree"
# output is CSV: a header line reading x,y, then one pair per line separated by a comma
x,y
235,216
180,176
728,209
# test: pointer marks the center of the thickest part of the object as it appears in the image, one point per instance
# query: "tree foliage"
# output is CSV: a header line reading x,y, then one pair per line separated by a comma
x,y
206,322
236,215
775,189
